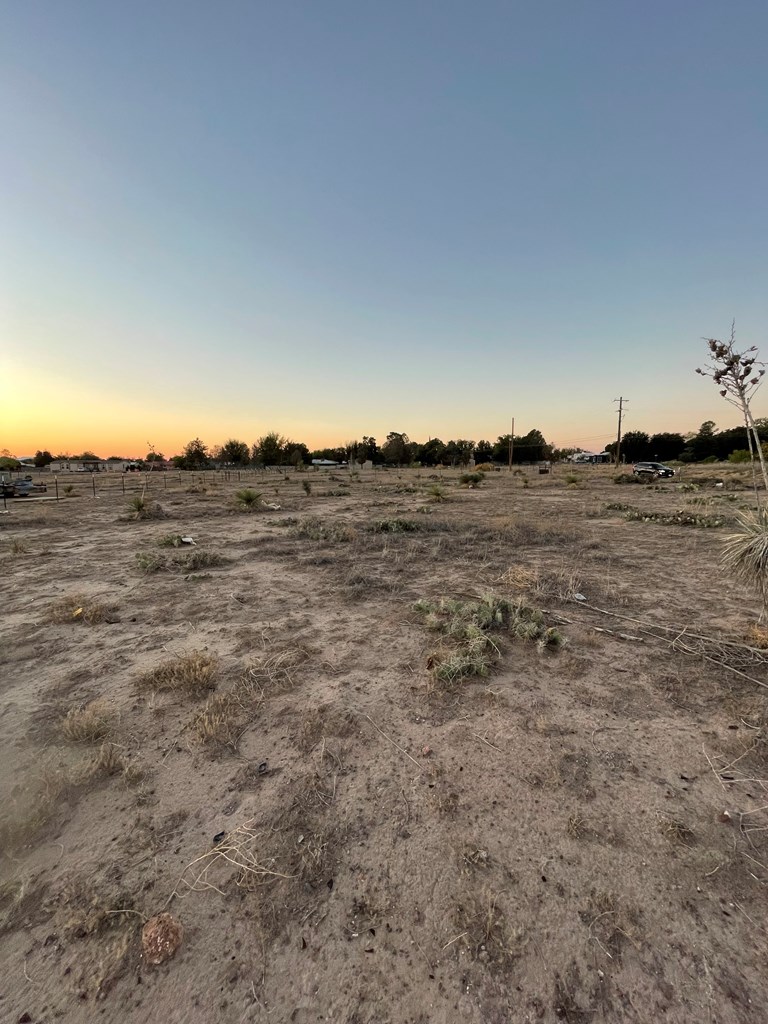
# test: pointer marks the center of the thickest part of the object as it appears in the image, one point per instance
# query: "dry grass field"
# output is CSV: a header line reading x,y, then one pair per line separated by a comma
x,y
376,759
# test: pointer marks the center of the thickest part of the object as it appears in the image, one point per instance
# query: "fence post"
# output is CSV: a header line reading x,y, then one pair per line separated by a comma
x,y
122,481
56,482
93,483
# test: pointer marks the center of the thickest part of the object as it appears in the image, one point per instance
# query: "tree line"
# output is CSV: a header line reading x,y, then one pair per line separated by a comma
x,y
273,449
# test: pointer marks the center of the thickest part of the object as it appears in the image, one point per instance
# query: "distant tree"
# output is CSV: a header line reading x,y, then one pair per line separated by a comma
x,y
396,450
154,457
236,453
270,449
194,456
8,462
483,452
703,445
635,446
666,447
43,458
298,455
432,453
530,447
86,457
368,450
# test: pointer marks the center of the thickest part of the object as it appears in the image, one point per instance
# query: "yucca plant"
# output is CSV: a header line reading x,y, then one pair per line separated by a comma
x,y
745,553
248,498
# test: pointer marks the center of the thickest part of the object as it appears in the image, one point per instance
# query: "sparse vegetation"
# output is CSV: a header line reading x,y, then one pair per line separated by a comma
x,y
471,480
469,630
88,723
436,493
142,507
191,675
77,608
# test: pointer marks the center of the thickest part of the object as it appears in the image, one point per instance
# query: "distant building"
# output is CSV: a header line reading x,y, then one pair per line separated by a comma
x,y
593,458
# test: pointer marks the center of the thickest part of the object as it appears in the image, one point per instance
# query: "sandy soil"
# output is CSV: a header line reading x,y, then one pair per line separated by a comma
x,y
340,834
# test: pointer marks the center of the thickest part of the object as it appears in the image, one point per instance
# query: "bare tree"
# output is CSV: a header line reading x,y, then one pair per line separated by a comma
x,y
737,376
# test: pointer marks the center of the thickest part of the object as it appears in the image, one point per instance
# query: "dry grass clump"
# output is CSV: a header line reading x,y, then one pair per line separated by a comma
x,y
677,832
560,584
76,608
17,547
484,931
745,553
396,525
217,723
187,561
471,480
190,674
314,528
88,722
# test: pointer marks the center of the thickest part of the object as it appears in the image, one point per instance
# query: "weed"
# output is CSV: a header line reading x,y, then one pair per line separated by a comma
x,y
679,518
248,499
395,526
436,493
574,479
151,561
18,547
677,832
69,490
314,528
471,480
485,932
77,608
170,540
466,628
627,478
216,722
87,723
189,561
307,487
190,674
199,559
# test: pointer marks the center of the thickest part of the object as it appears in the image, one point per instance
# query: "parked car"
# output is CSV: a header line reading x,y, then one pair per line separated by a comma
x,y
652,469
21,488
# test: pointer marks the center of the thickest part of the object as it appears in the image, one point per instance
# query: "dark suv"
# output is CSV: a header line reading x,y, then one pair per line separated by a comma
x,y
652,469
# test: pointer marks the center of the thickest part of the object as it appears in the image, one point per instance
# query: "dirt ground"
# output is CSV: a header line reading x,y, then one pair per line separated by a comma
x,y
263,736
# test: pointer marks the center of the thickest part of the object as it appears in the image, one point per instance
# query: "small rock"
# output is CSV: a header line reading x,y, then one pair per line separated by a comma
x,y
160,938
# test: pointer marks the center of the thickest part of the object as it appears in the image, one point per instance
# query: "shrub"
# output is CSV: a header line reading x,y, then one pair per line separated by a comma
x,y
627,478
742,455
307,486
471,480
395,526
436,493
141,507
248,499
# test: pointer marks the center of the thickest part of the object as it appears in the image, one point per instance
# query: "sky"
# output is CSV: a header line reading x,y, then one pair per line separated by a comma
x,y
345,218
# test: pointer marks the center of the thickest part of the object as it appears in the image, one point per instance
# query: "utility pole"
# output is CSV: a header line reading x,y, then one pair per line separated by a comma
x,y
511,444
621,402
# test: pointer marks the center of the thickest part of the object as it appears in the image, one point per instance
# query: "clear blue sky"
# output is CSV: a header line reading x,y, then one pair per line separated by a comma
x,y
341,218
